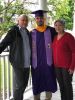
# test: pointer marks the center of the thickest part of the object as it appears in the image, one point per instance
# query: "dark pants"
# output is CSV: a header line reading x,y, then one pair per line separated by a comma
x,y
65,83
21,77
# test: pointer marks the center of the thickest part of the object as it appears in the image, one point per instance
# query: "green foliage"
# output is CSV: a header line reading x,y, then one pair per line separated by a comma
x,y
59,9
63,9
5,26
8,11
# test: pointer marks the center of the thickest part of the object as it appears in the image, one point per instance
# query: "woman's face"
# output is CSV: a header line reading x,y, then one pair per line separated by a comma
x,y
59,27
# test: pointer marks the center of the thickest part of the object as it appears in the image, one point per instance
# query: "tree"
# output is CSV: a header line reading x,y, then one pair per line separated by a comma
x,y
74,18
63,9
8,12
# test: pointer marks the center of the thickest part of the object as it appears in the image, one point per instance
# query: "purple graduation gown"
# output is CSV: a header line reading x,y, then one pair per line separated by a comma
x,y
43,76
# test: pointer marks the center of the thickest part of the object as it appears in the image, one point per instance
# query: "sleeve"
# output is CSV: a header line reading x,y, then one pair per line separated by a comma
x,y
7,40
30,39
31,47
71,42
53,33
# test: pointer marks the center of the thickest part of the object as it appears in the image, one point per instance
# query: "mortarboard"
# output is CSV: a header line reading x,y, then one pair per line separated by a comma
x,y
39,13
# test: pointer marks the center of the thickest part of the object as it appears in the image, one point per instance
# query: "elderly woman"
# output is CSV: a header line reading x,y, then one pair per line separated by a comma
x,y
64,59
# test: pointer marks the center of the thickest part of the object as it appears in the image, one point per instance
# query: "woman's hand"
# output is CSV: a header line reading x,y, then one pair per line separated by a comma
x,y
70,71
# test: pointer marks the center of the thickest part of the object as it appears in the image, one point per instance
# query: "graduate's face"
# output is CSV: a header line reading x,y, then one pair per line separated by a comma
x,y
39,21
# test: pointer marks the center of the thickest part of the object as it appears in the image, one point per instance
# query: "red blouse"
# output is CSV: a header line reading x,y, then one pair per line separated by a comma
x,y
64,51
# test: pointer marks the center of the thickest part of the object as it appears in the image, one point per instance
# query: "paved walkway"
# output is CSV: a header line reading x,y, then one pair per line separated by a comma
x,y
55,96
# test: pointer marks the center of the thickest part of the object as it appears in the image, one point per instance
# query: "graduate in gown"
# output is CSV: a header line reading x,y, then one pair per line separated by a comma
x,y
42,67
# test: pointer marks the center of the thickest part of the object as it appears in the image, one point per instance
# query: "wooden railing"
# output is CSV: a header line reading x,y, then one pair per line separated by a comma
x,y
6,78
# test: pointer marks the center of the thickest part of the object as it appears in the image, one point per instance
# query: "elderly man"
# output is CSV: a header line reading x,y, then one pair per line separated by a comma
x,y
43,75
18,40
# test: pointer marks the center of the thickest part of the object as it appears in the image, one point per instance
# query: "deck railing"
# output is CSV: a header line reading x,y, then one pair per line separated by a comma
x,y
6,78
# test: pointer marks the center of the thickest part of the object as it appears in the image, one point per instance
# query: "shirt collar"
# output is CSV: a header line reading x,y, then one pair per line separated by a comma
x,y
20,27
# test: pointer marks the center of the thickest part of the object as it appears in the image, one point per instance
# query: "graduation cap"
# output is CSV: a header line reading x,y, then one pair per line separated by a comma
x,y
39,13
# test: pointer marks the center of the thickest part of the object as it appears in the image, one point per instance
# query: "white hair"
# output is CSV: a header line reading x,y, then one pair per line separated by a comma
x,y
22,16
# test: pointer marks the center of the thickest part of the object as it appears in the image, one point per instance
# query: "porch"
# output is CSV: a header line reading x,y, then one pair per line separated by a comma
x,y
7,84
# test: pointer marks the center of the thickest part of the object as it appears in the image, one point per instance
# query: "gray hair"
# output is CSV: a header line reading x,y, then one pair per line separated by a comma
x,y
60,21
23,16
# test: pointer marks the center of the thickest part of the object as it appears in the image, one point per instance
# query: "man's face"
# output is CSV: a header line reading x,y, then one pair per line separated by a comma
x,y
23,21
39,20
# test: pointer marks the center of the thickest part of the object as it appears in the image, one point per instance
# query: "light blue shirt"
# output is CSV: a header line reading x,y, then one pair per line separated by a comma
x,y
26,47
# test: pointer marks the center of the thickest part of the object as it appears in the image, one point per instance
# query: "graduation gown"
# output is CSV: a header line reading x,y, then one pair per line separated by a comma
x,y
43,75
